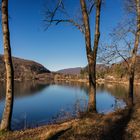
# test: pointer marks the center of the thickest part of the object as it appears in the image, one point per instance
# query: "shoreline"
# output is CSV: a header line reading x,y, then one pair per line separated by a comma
x,y
50,131
57,77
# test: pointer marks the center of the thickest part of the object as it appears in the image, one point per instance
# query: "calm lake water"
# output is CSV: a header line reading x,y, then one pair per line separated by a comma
x,y
38,103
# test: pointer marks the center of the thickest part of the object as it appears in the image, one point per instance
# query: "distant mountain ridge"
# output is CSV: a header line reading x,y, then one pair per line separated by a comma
x,y
73,71
77,70
24,69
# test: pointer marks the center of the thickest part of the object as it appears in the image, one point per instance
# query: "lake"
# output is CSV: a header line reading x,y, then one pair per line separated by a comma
x,y
37,103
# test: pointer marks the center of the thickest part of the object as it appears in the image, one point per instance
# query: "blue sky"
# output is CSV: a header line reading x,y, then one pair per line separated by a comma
x,y
61,46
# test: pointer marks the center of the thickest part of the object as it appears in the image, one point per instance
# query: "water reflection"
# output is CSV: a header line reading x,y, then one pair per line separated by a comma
x,y
38,103
119,91
22,89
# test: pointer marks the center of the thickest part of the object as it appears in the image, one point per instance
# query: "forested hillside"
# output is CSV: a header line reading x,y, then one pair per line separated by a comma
x,y
24,69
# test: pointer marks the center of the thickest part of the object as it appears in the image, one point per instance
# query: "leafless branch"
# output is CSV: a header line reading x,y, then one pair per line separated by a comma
x,y
51,17
122,56
57,21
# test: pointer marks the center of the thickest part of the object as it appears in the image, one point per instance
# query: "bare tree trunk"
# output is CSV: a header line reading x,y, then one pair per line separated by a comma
x,y
92,100
6,118
91,54
134,55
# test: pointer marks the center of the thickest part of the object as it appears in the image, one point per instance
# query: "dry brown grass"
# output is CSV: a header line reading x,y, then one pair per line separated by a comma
x,y
133,127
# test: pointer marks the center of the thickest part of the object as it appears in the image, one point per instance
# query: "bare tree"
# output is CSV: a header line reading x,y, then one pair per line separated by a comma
x,y
91,53
125,43
83,24
132,42
6,118
134,52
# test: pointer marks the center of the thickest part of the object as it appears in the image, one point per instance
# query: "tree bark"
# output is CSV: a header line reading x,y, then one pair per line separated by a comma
x,y
134,55
91,54
7,114
92,100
